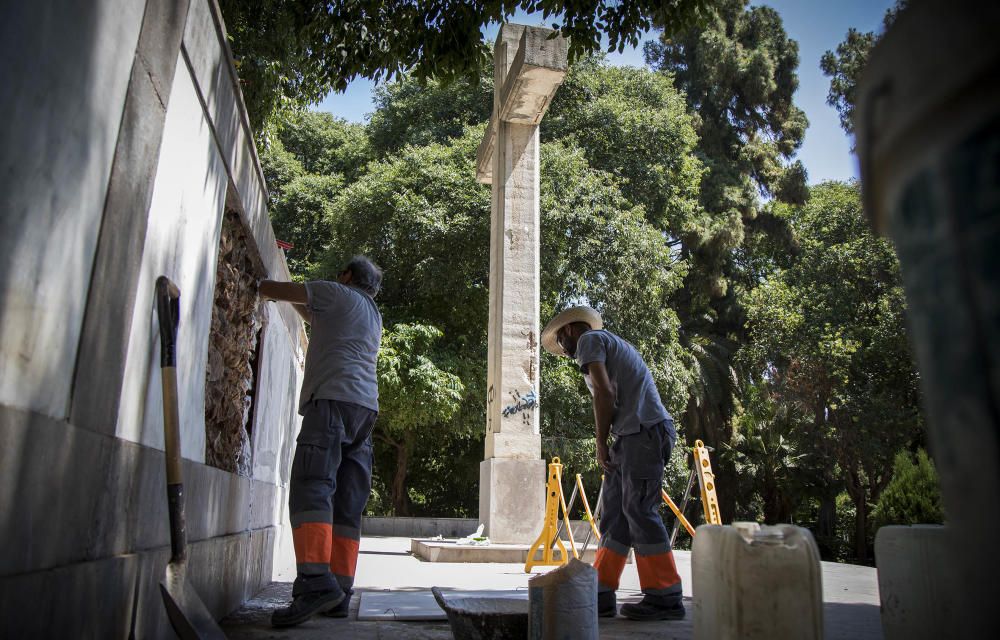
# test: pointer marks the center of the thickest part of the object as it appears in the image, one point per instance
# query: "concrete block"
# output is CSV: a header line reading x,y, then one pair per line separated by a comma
x,y
535,73
529,69
512,499
919,588
224,571
52,480
88,600
419,527
117,596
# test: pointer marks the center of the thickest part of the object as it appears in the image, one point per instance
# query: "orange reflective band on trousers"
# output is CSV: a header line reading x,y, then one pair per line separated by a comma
x,y
609,567
344,556
657,571
313,541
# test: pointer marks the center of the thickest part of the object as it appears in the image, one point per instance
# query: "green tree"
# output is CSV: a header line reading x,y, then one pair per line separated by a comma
x,y
410,112
913,496
738,74
280,167
292,54
829,329
416,398
844,66
415,208
305,164
767,450
325,145
302,216
625,120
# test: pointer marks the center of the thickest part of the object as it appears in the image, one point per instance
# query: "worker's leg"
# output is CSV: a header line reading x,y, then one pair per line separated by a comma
x,y
612,550
354,484
643,456
313,481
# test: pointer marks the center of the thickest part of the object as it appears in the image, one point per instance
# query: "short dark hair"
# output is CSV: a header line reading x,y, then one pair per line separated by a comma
x,y
365,275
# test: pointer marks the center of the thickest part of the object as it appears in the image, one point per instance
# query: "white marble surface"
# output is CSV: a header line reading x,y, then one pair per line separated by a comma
x,y
64,77
182,242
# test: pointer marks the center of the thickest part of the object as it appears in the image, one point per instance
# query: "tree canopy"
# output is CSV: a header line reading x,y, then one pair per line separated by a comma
x,y
844,66
738,74
293,53
828,339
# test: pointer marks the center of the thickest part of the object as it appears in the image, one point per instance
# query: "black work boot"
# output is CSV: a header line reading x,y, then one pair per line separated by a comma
x,y
342,609
305,606
606,607
654,608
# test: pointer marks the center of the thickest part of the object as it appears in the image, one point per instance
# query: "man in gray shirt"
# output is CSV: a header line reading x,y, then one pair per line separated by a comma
x,y
626,405
332,469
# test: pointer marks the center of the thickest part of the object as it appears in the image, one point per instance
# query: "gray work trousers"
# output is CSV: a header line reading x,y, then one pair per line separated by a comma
x,y
330,484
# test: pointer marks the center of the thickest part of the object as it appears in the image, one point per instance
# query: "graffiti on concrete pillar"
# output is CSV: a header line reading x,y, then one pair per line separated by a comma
x,y
521,404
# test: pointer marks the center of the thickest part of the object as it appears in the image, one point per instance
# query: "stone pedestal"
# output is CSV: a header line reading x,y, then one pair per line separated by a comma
x,y
512,499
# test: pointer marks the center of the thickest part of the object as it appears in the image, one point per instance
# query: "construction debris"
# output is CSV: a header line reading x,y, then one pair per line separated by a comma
x,y
237,323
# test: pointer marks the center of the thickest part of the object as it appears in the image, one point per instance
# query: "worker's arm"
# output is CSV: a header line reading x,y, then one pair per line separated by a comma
x,y
604,408
292,292
303,311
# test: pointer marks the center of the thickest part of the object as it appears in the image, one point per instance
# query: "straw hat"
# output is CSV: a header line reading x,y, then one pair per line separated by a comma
x,y
568,316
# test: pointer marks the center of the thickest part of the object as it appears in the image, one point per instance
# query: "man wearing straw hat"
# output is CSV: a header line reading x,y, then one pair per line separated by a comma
x,y
628,407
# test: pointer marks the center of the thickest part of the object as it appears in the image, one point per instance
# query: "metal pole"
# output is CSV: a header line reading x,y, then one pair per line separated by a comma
x,y
597,516
683,508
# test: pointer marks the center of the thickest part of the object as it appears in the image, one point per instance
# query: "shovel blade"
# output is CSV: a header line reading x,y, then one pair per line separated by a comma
x,y
187,613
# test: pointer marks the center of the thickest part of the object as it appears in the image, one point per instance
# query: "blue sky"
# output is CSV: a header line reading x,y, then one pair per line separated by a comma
x,y
817,25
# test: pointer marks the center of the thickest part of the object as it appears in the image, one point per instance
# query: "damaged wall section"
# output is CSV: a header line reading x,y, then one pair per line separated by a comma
x,y
238,320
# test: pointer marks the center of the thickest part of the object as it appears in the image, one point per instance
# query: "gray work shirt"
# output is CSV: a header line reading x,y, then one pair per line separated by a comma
x,y
638,401
343,346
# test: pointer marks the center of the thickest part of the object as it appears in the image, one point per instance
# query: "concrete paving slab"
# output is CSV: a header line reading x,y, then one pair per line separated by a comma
x,y
433,550
418,605
850,594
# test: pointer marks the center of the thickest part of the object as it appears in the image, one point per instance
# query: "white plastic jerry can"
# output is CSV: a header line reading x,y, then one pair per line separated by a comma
x,y
752,582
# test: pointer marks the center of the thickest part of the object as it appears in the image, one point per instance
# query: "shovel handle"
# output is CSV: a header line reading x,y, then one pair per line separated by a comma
x,y
168,311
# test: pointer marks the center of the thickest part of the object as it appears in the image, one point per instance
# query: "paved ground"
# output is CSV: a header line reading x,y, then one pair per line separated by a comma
x,y
850,596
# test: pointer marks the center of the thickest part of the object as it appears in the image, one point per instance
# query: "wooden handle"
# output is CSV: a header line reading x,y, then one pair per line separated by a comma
x,y
168,311
677,512
171,426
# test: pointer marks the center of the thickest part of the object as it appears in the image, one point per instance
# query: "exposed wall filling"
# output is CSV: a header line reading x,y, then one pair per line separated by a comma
x,y
237,323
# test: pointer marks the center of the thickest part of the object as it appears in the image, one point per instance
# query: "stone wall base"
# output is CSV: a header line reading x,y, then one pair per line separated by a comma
x,y
119,596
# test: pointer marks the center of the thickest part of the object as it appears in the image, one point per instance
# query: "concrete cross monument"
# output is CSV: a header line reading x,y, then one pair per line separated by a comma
x,y
529,65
